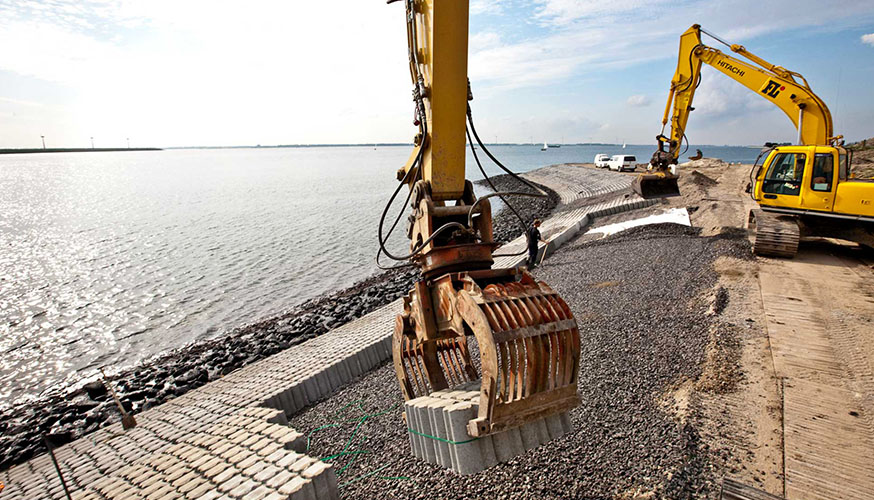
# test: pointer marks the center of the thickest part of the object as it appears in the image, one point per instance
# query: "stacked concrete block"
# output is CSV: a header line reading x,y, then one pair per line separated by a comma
x,y
253,454
437,430
326,371
287,381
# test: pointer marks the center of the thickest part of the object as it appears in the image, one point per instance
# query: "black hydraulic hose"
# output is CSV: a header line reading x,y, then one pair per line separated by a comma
x,y
541,193
691,80
491,184
501,195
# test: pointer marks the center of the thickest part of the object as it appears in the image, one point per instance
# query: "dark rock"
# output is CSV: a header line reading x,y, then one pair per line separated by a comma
x,y
95,389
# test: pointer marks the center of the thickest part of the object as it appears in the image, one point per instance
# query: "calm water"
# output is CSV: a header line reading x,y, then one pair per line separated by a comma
x,y
111,258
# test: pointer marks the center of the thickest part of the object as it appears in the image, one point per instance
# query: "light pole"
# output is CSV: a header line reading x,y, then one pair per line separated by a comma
x,y
43,141
92,143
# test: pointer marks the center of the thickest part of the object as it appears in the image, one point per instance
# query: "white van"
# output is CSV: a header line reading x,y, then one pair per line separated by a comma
x,y
602,160
621,163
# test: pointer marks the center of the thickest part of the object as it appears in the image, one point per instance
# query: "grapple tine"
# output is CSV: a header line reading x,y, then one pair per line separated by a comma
x,y
528,343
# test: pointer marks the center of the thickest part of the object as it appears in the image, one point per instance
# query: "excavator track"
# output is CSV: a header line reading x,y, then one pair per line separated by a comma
x,y
774,235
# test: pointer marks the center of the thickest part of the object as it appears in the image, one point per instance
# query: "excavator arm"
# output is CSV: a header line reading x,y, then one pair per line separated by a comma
x,y
526,335
786,89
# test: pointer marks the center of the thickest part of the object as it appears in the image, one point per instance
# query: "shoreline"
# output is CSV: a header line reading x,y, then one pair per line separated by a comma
x,y
77,411
71,150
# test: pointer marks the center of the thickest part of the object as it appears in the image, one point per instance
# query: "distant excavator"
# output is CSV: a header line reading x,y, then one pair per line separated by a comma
x,y
526,336
798,189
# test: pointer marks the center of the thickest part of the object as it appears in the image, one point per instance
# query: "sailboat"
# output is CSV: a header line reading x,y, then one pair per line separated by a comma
x,y
623,144
545,146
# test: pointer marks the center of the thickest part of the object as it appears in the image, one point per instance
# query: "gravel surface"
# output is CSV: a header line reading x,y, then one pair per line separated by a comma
x,y
639,301
70,415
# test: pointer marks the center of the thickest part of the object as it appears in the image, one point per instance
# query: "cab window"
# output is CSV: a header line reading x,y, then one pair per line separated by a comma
x,y
823,172
785,174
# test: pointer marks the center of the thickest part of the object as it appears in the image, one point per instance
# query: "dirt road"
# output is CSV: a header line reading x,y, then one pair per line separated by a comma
x,y
801,419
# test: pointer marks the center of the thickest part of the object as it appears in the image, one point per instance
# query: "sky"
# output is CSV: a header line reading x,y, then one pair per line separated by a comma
x,y
221,73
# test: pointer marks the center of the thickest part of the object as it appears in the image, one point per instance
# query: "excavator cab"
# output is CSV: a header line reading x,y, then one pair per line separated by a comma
x,y
660,181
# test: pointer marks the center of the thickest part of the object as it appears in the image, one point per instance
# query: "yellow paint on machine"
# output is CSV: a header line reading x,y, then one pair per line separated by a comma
x,y
813,178
444,58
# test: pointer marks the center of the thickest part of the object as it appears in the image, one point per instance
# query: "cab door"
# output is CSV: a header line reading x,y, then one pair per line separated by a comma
x,y
820,186
781,185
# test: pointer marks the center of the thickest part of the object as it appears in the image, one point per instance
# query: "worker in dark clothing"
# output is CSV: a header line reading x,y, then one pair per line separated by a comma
x,y
533,235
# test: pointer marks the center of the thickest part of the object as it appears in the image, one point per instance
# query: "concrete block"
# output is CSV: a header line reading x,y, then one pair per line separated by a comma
x,y
415,421
298,488
343,371
416,441
312,389
438,426
553,424
487,451
566,423
298,394
530,436
286,403
324,385
466,454
318,474
508,444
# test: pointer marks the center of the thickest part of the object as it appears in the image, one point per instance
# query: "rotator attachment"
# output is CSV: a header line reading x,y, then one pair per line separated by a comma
x,y
526,336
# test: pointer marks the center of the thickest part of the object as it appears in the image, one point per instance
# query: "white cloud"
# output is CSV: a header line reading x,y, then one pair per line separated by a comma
x,y
638,101
484,40
869,39
486,7
563,12
260,72
202,72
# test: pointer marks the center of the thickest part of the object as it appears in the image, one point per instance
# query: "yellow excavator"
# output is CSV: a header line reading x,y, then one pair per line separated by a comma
x,y
526,336
802,190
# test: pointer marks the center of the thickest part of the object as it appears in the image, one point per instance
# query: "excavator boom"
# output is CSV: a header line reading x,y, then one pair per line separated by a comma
x,y
778,85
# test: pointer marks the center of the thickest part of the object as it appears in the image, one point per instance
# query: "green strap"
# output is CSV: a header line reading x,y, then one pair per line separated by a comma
x,y
440,438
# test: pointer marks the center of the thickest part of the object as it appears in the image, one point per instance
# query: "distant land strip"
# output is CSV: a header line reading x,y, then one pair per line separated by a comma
x,y
72,150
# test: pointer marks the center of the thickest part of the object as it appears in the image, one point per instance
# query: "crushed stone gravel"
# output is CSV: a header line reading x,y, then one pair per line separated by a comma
x,y
637,297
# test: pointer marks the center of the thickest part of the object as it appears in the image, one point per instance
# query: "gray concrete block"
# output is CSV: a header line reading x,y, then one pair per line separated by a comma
x,y
438,425
317,473
312,389
287,402
333,376
553,424
542,431
412,409
324,384
343,372
530,436
466,457
429,445
566,423
298,395
487,451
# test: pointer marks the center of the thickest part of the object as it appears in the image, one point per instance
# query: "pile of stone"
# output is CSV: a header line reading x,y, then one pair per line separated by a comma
x,y
437,429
